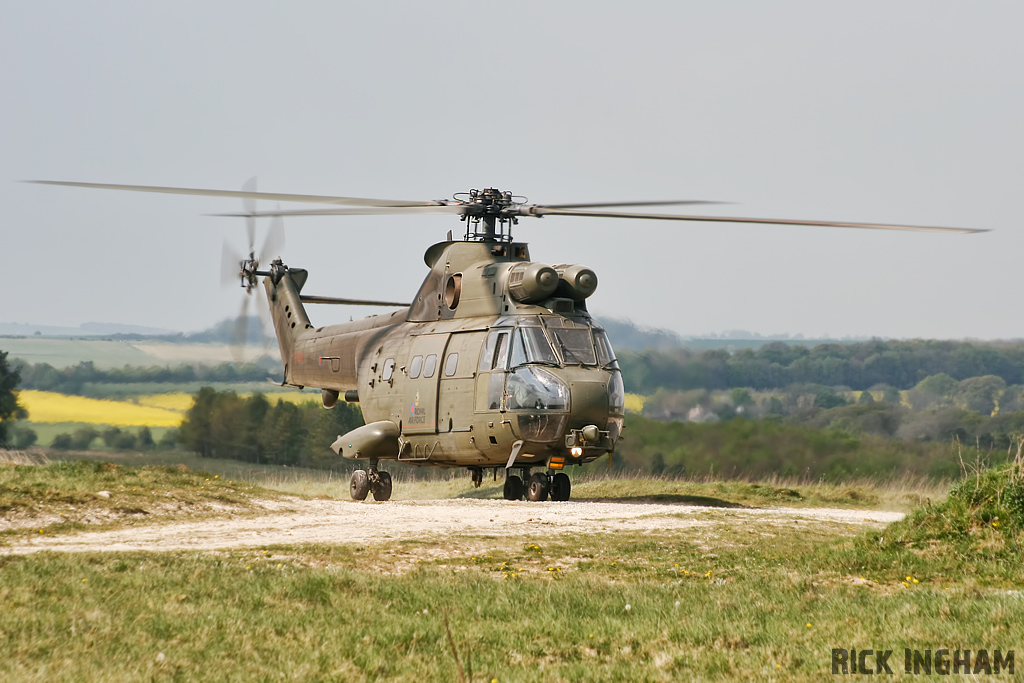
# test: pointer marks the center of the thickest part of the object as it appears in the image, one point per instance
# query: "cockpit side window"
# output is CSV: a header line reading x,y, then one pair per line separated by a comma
x,y
605,353
495,353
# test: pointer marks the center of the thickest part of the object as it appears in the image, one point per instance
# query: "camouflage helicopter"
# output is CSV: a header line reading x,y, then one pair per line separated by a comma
x,y
495,364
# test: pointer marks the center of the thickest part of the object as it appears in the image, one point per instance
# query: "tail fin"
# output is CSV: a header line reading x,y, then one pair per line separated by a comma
x,y
290,320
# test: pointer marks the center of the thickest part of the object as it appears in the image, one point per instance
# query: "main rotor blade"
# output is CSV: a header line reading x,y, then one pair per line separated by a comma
x,y
249,207
368,211
270,196
543,211
691,202
308,299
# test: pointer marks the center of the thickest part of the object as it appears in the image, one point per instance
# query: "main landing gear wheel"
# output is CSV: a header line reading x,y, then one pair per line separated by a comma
x,y
360,485
513,488
537,491
560,486
382,487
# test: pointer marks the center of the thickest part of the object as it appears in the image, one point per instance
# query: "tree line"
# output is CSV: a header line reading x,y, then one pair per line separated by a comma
x,y
766,448
10,409
222,424
75,379
981,411
858,366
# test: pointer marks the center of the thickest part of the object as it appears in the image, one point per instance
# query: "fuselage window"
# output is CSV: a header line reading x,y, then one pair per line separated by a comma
x,y
415,367
430,365
451,365
389,370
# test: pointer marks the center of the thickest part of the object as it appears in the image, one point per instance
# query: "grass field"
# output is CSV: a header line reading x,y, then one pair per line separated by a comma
x,y
753,603
900,494
741,598
63,496
106,354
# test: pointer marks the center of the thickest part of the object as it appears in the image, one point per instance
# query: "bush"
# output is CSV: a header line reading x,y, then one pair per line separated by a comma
x,y
62,442
125,441
983,515
23,437
82,439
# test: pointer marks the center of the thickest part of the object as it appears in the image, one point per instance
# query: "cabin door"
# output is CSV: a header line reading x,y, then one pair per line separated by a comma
x,y
457,376
419,413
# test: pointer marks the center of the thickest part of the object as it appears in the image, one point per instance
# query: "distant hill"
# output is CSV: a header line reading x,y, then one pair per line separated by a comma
x,y
625,334
83,330
221,333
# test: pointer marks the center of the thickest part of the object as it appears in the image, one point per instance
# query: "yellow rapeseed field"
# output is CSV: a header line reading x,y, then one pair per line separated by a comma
x,y
635,403
177,401
47,406
152,410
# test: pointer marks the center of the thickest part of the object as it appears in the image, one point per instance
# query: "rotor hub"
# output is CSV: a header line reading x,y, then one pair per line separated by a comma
x,y
489,214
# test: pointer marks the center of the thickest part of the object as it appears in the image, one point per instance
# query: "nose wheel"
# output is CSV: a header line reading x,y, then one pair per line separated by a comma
x,y
368,481
538,488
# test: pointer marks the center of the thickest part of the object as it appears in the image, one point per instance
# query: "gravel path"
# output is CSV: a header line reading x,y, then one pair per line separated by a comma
x,y
319,521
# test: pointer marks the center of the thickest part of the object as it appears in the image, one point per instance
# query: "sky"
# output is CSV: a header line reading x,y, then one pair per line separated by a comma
x,y
872,111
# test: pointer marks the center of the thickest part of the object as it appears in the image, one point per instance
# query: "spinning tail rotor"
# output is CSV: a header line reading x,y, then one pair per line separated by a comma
x,y
245,271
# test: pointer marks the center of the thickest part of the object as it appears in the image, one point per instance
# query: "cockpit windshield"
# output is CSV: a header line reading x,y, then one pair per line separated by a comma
x,y
551,340
529,345
575,345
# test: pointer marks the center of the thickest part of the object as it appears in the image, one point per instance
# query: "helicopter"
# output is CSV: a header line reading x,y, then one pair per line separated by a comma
x,y
496,363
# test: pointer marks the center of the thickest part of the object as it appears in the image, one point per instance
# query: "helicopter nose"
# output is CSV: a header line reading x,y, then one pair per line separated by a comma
x,y
589,403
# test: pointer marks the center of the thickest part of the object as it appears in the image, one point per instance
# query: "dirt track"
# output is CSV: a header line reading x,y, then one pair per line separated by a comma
x,y
317,521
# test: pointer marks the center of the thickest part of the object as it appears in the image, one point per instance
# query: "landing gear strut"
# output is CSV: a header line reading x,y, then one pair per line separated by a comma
x,y
370,480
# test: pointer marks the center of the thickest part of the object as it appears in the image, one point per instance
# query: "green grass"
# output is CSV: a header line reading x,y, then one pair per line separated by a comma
x,y
64,496
880,494
738,597
734,604
899,494
61,353
983,516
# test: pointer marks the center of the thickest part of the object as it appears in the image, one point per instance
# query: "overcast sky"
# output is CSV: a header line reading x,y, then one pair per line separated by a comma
x,y
870,111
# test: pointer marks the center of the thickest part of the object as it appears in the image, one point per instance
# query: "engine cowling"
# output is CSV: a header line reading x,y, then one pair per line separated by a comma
x,y
577,282
530,283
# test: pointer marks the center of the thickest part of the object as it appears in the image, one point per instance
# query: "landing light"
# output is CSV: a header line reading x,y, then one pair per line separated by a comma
x,y
576,451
